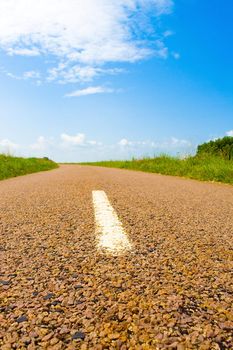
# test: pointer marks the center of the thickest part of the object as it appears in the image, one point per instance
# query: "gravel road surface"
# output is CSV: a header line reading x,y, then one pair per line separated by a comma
x,y
173,290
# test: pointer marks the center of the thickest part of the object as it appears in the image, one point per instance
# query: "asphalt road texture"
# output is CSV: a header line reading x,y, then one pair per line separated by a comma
x,y
60,290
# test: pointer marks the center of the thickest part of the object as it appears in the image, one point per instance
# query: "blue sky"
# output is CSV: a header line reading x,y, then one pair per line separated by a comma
x,y
113,79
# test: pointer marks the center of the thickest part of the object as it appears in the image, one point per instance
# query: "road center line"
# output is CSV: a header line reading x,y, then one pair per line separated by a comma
x,y
109,230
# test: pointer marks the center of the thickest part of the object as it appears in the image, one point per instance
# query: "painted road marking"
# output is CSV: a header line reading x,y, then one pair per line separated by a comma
x,y
110,233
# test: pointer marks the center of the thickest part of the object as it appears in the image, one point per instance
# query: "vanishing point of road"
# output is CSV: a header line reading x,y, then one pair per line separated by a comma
x,y
96,258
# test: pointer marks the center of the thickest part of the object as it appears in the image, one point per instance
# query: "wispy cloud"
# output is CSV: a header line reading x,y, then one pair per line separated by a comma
x,y
64,73
29,75
126,143
32,74
168,33
162,50
8,146
175,55
41,144
81,140
92,90
82,36
71,146
178,142
229,133
33,51
170,144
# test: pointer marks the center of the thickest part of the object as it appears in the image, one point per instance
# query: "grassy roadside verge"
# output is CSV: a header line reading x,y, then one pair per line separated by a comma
x,y
15,166
206,168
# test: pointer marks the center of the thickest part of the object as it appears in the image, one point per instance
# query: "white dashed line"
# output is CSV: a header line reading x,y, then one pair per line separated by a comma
x,y
111,236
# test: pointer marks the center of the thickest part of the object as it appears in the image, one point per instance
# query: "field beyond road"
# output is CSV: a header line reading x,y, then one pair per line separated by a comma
x,y
207,168
213,162
171,289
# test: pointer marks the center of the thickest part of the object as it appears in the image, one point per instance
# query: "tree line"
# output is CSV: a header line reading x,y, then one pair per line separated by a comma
x,y
221,147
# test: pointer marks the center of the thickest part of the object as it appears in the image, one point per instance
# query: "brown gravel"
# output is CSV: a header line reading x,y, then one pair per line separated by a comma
x,y
174,291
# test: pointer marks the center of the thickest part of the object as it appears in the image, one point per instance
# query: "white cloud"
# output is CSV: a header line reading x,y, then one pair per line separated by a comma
x,y
229,133
162,50
179,142
31,75
66,145
8,146
74,74
168,33
92,90
125,142
25,76
176,55
41,144
82,35
13,76
94,143
23,51
78,140
172,143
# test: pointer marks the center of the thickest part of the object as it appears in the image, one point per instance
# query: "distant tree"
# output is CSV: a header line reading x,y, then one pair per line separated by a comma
x,y
221,147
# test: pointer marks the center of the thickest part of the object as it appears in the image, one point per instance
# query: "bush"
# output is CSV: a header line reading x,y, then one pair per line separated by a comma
x,y
15,166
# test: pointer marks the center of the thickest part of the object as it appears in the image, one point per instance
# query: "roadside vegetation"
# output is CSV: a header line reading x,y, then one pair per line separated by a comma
x,y
15,166
213,162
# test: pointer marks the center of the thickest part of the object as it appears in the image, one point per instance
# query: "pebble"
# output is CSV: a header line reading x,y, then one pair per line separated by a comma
x,y
78,335
5,283
22,319
49,296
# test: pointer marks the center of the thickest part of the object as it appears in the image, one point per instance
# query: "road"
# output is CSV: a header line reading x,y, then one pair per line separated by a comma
x,y
170,288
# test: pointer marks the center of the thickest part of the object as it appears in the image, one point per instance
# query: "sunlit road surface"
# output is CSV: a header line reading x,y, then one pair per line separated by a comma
x,y
95,258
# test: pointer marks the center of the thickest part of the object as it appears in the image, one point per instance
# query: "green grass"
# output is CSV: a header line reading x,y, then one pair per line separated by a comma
x,y
15,166
207,168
